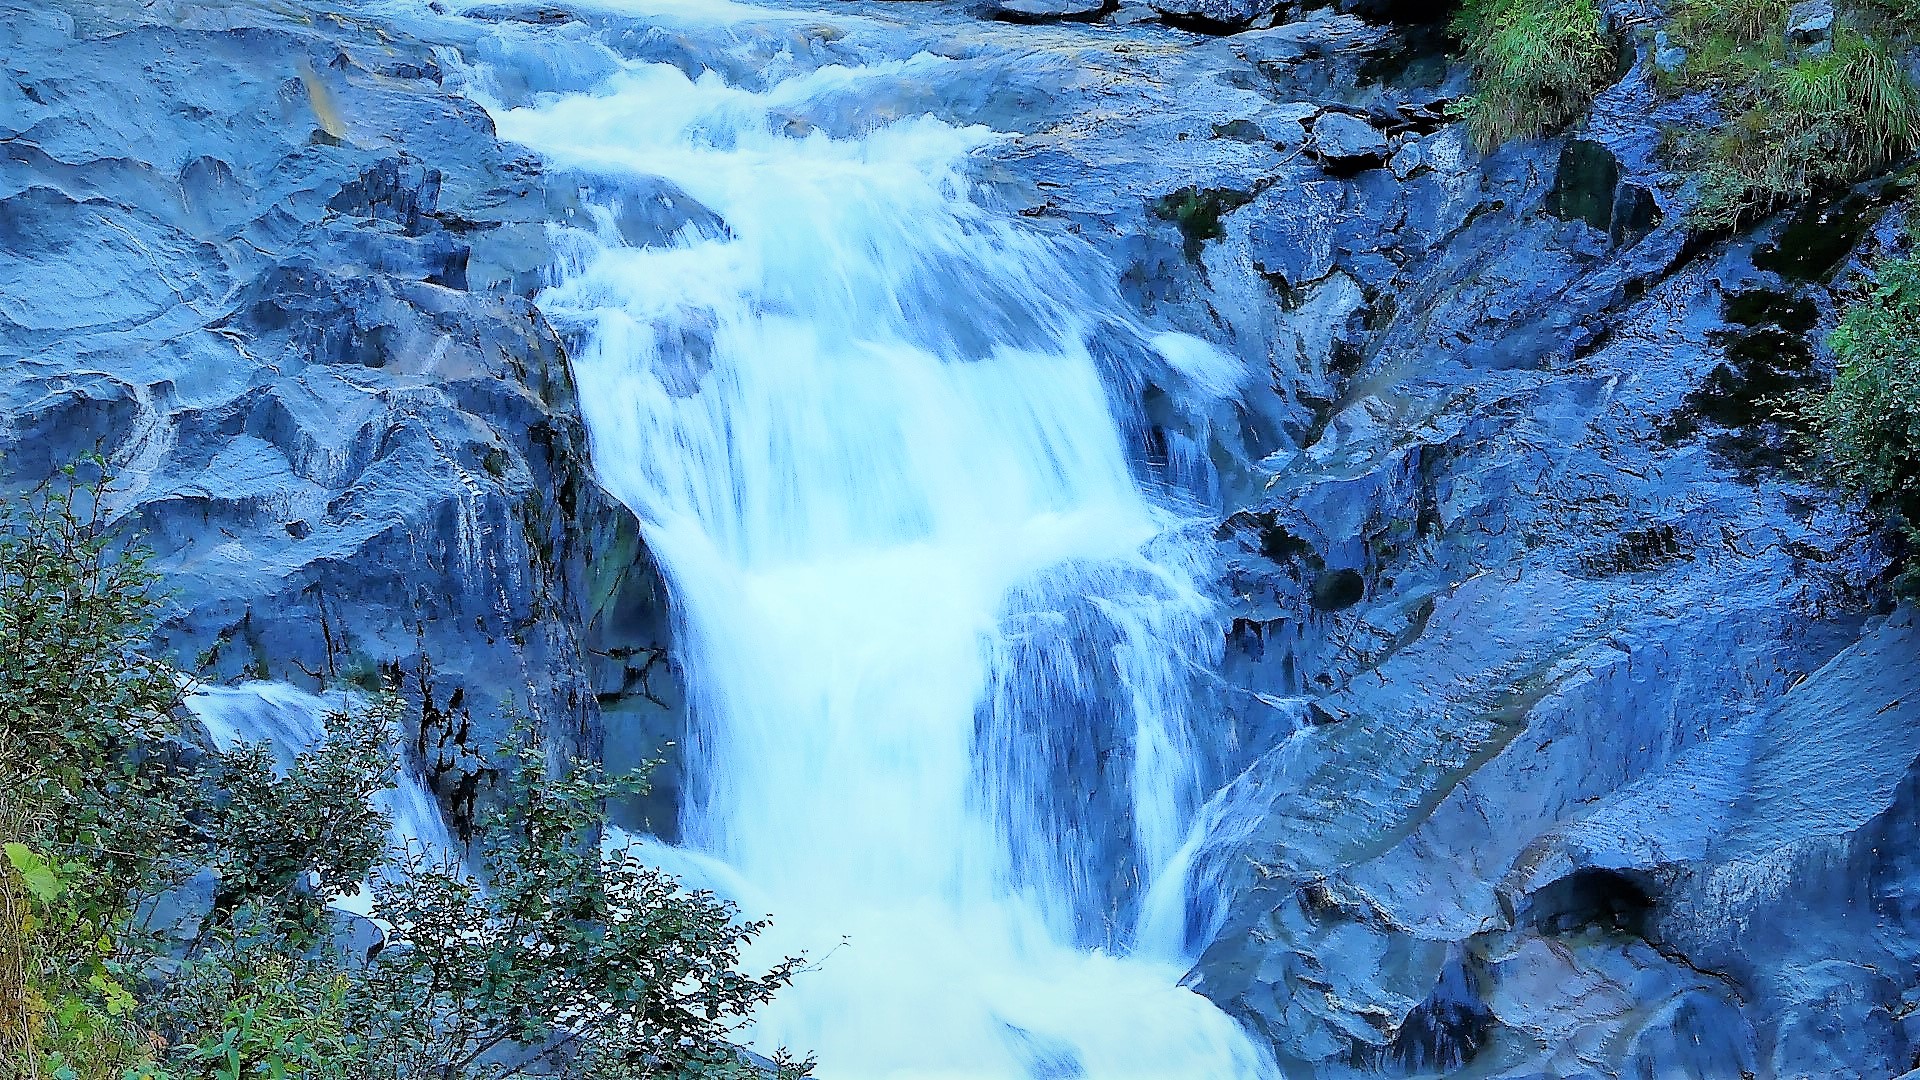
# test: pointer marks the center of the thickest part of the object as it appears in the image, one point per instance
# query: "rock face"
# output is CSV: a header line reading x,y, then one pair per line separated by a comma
x,y
1211,15
1572,688
275,272
1810,22
1346,142
1565,730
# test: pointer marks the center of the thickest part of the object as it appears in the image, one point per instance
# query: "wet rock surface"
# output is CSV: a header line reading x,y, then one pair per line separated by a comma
x,y
1050,10
274,270
1564,728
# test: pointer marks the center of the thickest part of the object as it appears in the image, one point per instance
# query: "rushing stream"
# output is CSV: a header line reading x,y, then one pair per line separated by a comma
x,y
939,643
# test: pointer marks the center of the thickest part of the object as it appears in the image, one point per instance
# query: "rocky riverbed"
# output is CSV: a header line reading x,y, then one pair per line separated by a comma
x,y
1562,725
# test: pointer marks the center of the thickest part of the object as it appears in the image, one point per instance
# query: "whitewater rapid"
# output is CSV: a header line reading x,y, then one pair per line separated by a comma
x,y
917,587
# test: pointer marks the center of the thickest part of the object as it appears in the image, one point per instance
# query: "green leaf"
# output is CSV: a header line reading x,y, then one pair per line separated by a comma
x,y
39,874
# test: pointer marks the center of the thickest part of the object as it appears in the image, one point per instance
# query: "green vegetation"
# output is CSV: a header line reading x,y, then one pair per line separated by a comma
x,y
563,952
1826,116
1793,119
163,909
1731,24
1537,64
1197,211
1869,422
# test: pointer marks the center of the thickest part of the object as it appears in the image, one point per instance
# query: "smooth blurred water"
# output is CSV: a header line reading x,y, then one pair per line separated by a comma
x,y
940,648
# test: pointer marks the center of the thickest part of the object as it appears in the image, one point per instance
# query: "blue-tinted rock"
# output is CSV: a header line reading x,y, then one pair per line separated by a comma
x,y
1345,141
265,277
1040,11
1211,14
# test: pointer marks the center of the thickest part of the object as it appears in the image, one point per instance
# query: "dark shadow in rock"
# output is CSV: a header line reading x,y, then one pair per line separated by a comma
x,y
1338,590
1197,211
1634,551
1442,1034
1584,184
1609,901
1813,243
1635,215
403,192
1769,364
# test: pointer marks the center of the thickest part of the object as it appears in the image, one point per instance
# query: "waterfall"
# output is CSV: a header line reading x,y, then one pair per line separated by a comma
x,y
939,643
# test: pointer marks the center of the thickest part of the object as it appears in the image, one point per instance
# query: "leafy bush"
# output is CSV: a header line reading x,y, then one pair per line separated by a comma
x,y
562,963
1869,421
92,803
72,1017
283,844
84,711
582,964
248,1009
18,1016
1537,64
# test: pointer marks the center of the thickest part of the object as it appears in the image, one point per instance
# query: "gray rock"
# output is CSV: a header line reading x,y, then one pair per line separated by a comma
x,y
1344,141
1040,11
1810,23
1293,233
1407,160
1212,15
276,282
1667,56
1481,409
349,939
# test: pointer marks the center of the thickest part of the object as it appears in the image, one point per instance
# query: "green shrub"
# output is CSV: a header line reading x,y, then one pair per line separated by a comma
x,y
1698,23
282,844
84,708
600,970
71,1014
1859,96
1900,11
1869,422
1730,44
18,1016
248,1008
1537,64
587,966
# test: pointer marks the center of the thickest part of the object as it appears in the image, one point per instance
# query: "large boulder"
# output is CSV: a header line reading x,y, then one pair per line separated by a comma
x,y
1345,142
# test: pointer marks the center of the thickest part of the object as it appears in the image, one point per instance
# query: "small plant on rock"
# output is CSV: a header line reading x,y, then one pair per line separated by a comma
x,y
1537,64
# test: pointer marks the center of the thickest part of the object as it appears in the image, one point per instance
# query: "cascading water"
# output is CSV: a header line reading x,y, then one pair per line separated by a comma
x,y
937,641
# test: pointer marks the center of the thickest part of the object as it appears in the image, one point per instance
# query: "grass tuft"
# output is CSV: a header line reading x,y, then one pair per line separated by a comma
x,y
1821,121
1537,64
